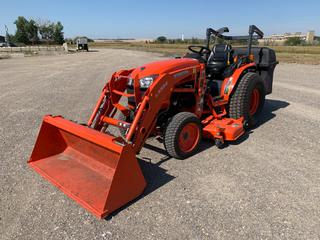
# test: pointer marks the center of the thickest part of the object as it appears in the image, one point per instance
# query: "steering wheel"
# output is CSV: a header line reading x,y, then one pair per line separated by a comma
x,y
202,50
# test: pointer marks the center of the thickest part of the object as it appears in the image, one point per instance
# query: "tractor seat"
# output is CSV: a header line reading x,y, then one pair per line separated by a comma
x,y
219,57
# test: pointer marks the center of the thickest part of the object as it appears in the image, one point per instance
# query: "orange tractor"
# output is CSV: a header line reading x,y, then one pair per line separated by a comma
x,y
213,92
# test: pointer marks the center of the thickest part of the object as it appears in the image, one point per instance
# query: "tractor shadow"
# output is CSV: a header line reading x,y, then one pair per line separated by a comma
x,y
269,109
268,113
156,176
205,144
93,50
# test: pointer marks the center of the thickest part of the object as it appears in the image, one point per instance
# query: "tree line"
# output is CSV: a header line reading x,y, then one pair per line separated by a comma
x,y
292,41
34,32
163,39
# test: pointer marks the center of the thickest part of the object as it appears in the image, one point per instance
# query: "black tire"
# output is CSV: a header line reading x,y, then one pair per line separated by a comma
x,y
239,105
173,131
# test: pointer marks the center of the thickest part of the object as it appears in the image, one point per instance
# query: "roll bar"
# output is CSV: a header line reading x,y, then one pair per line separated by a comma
x,y
218,33
253,29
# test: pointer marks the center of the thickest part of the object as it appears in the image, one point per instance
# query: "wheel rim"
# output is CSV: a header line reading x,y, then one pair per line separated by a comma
x,y
189,137
254,101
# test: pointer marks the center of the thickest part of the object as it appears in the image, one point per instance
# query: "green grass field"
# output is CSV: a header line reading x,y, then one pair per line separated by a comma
x,y
288,54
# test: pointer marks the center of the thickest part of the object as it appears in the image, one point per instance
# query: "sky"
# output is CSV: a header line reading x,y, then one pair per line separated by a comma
x,y
150,19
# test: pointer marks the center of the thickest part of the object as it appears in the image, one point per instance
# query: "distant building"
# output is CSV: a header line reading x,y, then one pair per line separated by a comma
x,y
280,39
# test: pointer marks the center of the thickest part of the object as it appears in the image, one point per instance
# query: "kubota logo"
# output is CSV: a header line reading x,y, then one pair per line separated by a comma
x,y
163,86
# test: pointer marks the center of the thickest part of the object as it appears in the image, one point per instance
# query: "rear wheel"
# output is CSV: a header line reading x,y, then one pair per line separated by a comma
x,y
183,135
248,99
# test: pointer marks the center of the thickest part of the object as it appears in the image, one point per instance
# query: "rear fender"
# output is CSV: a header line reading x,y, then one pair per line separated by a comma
x,y
229,83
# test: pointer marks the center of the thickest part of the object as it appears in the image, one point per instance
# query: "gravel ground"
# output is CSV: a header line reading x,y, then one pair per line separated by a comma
x,y
266,186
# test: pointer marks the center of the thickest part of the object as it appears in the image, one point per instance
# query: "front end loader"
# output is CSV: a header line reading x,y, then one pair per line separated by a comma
x,y
214,93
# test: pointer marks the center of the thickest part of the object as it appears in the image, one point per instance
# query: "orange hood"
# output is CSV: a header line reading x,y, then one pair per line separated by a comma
x,y
165,66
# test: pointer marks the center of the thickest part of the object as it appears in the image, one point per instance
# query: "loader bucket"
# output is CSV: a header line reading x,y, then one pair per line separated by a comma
x,y
87,165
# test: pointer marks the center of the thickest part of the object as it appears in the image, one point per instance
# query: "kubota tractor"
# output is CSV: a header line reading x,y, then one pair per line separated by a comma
x,y
213,92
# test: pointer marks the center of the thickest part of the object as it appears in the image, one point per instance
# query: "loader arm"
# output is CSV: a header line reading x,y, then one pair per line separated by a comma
x,y
156,99
108,101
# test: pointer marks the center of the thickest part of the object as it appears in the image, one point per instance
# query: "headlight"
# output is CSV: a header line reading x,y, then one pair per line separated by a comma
x,y
147,81
144,82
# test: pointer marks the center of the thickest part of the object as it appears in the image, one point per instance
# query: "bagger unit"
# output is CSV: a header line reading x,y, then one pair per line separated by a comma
x,y
213,92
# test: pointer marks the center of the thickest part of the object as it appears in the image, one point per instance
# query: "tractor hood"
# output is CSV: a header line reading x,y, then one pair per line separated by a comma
x,y
166,66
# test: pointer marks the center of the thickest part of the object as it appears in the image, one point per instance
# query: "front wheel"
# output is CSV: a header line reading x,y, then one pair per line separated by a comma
x,y
183,135
248,99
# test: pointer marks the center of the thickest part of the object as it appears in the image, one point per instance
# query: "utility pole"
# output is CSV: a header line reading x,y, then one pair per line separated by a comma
x,y
7,36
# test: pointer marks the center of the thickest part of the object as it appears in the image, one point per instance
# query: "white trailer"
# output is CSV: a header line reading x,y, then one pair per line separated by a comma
x,y
82,44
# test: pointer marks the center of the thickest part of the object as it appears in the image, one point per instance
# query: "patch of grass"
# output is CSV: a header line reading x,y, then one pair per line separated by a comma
x,y
287,54
297,49
301,58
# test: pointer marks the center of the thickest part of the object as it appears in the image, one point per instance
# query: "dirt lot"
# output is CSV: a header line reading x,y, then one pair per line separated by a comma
x,y
266,186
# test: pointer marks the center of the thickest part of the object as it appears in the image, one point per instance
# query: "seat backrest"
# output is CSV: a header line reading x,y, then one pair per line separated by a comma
x,y
220,53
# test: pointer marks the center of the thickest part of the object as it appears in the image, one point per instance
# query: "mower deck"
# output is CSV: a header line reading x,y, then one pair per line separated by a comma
x,y
227,129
